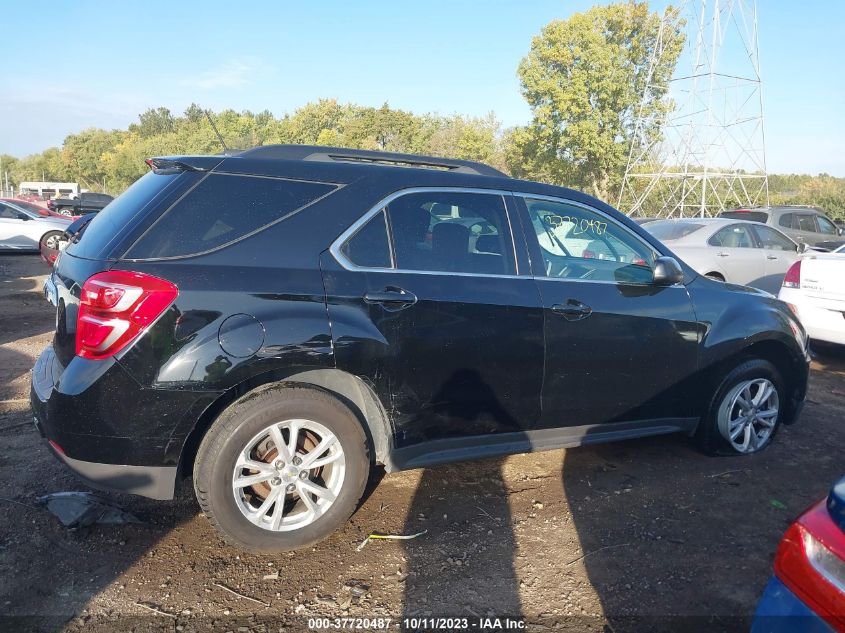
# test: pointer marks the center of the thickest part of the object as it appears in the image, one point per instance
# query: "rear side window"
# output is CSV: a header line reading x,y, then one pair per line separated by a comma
x,y
806,222
108,223
786,220
733,236
222,209
370,246
452,232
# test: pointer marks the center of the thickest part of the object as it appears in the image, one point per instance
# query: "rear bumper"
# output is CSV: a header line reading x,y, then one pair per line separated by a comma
x,y
112,433
155,482
781,611
821,323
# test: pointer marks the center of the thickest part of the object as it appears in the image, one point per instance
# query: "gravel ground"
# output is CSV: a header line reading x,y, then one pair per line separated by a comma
x,y
638,535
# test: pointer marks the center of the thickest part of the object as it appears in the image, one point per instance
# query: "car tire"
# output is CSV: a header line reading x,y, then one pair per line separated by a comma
x,y
49,235
729,427
245,431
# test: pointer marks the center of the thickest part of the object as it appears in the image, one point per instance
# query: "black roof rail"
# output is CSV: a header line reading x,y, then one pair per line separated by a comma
x,y
346,155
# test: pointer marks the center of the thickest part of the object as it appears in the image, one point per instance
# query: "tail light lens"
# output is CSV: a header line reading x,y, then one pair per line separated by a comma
x,y
115,307
588,254
792,279
811,562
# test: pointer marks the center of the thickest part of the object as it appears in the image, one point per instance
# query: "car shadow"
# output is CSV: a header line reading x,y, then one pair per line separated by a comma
x,y
466,514
674,540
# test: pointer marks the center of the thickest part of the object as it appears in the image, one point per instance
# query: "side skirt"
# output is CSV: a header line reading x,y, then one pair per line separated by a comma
x,y
460,449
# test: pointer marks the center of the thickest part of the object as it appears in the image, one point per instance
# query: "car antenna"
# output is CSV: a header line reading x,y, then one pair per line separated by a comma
x,y
217,132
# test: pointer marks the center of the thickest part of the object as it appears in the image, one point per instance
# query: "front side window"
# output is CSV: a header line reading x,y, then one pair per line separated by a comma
x,y
578,243
826,226
806,222
733,236
455,232
774,240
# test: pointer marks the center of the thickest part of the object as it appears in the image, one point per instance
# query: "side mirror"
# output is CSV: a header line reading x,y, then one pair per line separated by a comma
x,y
667,272
803,247
24,216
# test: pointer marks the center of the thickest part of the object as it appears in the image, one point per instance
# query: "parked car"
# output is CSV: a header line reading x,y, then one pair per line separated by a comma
x,y
277,323
815,286
746,253
82,204
807,591
805,225
25,230
31,206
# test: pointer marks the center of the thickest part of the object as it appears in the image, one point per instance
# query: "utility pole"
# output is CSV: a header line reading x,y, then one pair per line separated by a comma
x,y
711,154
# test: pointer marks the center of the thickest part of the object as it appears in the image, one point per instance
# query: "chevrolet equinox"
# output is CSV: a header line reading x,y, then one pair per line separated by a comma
x,y
277,322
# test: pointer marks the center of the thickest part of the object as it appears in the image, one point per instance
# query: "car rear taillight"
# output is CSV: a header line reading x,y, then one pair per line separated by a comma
x,y
811,562
792,279
588,254
115,307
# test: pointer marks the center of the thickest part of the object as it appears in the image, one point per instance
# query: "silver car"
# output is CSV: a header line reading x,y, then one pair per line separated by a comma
x,y
747,253
25,230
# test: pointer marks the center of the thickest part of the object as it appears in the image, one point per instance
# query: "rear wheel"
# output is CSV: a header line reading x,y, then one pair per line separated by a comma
x,y
281,468
745,412
51,240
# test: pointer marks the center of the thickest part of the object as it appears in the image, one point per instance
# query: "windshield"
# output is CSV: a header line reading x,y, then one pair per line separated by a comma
x,y
671,229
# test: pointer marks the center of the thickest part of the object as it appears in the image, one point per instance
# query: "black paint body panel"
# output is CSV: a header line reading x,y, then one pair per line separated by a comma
x,y
479,365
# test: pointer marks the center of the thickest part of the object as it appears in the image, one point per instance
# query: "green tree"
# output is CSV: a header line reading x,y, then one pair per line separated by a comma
x,y
584,78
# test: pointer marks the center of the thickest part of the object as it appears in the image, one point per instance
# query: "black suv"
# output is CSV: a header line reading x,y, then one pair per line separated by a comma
x,y
277,322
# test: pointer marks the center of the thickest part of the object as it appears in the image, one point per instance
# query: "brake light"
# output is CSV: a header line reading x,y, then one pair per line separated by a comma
x,y
792,279
811,562
115,307
588,254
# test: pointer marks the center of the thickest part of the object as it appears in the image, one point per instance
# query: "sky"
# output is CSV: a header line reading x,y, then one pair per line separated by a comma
x,y
78,64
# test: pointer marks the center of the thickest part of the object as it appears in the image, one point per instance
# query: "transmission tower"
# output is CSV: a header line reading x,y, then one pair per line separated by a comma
x,y
710,153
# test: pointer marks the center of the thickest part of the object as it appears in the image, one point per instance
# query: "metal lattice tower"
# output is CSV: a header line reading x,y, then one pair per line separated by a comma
x,y
710,155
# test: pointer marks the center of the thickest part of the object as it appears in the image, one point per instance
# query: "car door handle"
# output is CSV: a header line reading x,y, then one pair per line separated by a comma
x,y
723,254
572,310
771,257
391,298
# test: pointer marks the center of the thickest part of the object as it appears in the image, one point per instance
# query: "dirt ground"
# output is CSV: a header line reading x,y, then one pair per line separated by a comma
x,y
638,535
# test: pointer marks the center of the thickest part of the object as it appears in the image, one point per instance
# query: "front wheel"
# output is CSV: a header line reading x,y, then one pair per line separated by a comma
x,y
281,468
745,412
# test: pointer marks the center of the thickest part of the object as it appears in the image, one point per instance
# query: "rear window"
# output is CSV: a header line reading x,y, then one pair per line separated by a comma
x,y
223,209
751,216
105,226
671,230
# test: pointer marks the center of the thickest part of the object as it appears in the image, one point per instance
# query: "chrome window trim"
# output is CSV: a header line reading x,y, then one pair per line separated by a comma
x,y
349,233
606,217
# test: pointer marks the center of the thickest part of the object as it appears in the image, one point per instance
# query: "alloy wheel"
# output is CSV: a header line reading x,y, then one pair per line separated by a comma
x,y
288,475
748,414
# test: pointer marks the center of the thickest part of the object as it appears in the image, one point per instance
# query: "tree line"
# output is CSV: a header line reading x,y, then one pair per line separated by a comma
x,y
583,78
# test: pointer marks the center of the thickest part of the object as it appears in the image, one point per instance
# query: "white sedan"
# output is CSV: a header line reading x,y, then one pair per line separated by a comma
x,y
740,252
815,287
24,230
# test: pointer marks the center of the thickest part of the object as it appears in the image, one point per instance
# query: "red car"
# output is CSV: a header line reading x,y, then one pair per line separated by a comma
x,y
807,592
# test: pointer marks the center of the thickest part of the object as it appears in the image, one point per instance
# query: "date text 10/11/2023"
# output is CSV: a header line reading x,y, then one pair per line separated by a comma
x,y
423,623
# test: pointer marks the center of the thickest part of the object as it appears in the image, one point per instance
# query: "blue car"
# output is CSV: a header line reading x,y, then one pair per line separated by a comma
x,y
807,591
